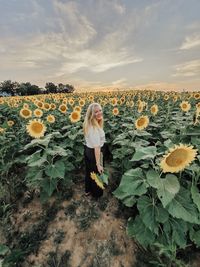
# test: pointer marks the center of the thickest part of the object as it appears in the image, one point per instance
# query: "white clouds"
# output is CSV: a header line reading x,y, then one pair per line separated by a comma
x,y
191,42
188,69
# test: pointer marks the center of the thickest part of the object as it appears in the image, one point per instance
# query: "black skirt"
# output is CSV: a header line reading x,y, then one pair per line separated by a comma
x,y
90,166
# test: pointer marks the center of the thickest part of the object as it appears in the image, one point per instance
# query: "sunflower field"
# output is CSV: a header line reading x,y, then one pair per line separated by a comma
x,y
154,143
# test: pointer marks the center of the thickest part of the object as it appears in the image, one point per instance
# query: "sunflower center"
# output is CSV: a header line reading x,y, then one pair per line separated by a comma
x,y
74,116
177,157
26,112
37,127
184,106
141,122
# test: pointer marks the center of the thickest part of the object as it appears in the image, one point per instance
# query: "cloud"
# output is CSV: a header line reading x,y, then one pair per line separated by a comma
x,y
188,69
191,42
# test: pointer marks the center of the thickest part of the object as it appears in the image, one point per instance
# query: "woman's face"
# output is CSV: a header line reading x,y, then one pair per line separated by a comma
x,y
98,113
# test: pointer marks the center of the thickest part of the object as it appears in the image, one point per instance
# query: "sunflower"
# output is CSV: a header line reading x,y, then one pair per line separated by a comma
x,y
39,104
131,104
63,108
51,118
166,97
115,111
97,180
36,128
25,105
75,116
142,122
81,102
77,108
178,158
71,102
25,113
185,106
38,113
46,106
2,130
197,96
114,101
154,109
10,123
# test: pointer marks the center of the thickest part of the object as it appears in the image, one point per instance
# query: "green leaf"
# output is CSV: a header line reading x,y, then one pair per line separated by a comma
x,y
153,178
133,183
49,185
137,229
167,189
129,201
36,142
104,177
3,250
69,166
36,159
56,170
195,196
147,209
57,150
195,237
183,208
144,153
162,214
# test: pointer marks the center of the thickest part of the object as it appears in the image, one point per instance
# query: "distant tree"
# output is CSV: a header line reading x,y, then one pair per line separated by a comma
x,y
51,88
29,89
10,88
65,88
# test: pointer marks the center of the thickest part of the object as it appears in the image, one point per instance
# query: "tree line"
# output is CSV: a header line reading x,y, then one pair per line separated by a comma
x,y
9,88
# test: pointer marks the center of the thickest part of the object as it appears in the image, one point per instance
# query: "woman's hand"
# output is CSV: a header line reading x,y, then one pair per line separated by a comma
x,y
100,168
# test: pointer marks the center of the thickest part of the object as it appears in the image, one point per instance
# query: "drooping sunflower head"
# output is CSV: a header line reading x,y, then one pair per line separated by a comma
x,y
154,109
51,118
142,122
36,128
25,113
75,116
185,106
178,158
97,180
115,111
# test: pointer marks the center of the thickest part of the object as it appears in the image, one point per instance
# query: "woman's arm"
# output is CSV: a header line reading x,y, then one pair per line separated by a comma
x,y
97,152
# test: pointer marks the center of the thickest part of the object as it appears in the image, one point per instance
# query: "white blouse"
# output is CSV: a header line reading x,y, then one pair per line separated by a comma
x,y
95,137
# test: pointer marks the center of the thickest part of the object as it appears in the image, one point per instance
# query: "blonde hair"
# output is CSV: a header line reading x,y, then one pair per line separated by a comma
x,y
90,119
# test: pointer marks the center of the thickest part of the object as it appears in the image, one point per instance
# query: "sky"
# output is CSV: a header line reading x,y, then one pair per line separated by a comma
x,y
101,44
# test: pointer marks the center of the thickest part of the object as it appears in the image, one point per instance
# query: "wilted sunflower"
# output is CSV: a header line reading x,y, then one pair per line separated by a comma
x,y
178,158
154,109
142,122
94,177
51,118
25,113
38,113
36,128
75,116
115,111
185,106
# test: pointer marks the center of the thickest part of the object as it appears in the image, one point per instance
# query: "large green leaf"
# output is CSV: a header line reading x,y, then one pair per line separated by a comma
x,y
56,170
57,150
36,159
36,142
167,189
195,196
153,178
49,185
147,209
183,208
133,183
144,153
137,229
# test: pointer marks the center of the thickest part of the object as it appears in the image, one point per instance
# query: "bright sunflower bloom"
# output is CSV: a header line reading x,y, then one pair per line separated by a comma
x,y
115,111
38,113
10,123
36,128
142,122
185,106
154,109
178,158
95,177
25,113
2,130
63,108
77,108
51,118
75,116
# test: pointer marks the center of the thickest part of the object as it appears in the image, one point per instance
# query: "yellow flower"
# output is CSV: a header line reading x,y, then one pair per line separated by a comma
x,y
185,106
38,112
25,113
178,158
63,108
46,106
97,180
36,128
51,118
2,130
25,105
75,116
53,106
10,123
115,111
142,122
154,109
77,108
81,102
197,96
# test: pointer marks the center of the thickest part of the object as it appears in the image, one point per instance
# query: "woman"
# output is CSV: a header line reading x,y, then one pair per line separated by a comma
x,y
93,153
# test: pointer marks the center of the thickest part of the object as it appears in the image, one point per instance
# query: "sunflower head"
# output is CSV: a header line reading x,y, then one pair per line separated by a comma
x,y
142,122
51,118
10,123
185,106
178,158
115,111
38,113
75,116
63,108
154,109
36,128
25,113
